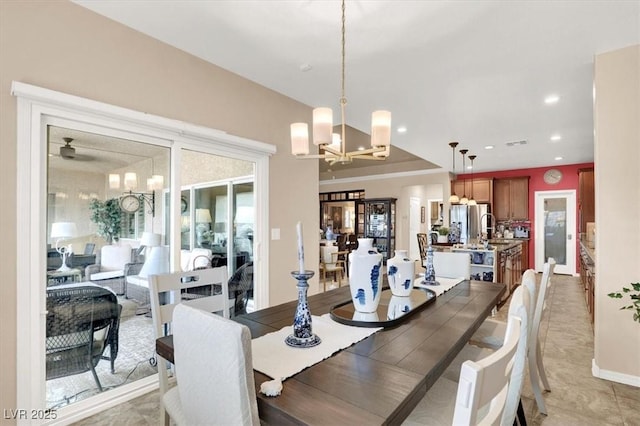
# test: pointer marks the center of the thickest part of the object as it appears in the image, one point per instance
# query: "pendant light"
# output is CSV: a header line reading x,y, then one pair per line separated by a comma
x,y
464,200
453,199
472,202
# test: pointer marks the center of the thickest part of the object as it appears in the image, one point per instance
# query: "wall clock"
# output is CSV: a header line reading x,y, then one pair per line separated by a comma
x,y
183,205
130,203
552,176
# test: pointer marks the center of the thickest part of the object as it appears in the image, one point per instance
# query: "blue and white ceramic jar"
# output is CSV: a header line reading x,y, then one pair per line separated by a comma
x,y
365,276
398,306
400,273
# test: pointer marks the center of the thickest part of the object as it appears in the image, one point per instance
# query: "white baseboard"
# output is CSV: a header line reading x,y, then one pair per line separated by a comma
x,y
614,376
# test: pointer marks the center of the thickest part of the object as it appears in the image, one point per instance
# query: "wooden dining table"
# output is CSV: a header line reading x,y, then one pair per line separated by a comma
x,y
380,379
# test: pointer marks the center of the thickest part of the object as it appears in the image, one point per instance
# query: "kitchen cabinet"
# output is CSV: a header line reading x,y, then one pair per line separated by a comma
x,y
481,189
483,264
586,197
509,268
511,198
377,220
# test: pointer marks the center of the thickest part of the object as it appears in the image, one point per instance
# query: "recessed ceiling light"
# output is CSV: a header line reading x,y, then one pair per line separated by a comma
x,y
489,147
402,129
558,158
551,99
555,137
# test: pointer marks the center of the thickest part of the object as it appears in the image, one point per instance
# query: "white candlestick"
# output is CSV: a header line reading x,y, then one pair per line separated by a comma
x,y
300,247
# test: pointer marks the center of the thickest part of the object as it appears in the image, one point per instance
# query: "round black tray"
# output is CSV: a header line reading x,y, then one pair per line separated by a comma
x,y
391,311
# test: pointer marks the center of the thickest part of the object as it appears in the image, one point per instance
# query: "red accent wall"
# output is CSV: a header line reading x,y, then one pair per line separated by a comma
x,y
536,183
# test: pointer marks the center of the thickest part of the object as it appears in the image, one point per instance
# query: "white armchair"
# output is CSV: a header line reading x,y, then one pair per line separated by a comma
x,y
195,259
137,286
109,271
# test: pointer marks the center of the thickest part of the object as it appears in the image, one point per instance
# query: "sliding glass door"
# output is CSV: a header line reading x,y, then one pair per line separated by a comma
x,y
108,209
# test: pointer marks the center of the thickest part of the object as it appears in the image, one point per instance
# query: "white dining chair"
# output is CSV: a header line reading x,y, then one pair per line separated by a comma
x,y
490,332
170,290
452,265
486,382
214,371
489,389
330,263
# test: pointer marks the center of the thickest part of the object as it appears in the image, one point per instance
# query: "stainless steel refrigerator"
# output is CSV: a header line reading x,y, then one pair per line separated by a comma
x,y
471,220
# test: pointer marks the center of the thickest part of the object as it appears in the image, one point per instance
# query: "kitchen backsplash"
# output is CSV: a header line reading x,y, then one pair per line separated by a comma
x,y
513,229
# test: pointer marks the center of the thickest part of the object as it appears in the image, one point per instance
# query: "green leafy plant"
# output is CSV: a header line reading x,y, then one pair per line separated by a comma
x,y
634,294
108,216
443,230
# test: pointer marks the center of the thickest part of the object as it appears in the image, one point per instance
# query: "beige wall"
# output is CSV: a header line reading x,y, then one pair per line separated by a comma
x,y
64,47
617,180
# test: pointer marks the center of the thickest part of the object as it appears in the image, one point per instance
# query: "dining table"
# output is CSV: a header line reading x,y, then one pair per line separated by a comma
x,y
380,379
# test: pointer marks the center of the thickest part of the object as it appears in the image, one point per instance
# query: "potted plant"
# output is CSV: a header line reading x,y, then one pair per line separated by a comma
x,y
634,295
443,234
108,216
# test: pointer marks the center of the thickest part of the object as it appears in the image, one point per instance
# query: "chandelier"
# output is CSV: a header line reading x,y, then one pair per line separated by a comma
x,y
333,144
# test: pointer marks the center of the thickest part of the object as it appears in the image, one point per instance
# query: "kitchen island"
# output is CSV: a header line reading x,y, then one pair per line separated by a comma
x,y
512,255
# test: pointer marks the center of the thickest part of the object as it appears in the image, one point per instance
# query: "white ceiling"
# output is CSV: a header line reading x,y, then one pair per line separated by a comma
x,y
472,71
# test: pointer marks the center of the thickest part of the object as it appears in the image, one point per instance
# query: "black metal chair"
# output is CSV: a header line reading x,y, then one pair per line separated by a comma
x,y
82,322
241,287
423,243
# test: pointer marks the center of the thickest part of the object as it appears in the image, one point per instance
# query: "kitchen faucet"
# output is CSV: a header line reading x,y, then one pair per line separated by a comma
x,y
488,227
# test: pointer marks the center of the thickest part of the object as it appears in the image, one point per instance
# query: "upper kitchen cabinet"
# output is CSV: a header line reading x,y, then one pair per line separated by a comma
x,y
586,202
511,198
481,189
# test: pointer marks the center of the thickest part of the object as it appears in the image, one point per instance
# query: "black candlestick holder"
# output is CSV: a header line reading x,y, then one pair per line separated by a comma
x,y
303,336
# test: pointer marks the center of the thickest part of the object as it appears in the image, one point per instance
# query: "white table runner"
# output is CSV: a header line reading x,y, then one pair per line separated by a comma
x,y
273,357
446,284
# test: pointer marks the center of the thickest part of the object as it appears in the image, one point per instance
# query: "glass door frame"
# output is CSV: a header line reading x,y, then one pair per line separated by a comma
x,y
539,227
36,109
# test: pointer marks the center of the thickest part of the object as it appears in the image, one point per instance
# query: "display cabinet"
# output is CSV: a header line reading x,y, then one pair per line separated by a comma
x,y
376,218
483,263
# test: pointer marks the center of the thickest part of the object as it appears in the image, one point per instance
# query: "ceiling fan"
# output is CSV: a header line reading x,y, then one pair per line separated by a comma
x,y
68,152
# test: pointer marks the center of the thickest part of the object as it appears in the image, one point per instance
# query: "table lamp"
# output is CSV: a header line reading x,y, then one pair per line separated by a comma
x,y
62,231
149,239
203,221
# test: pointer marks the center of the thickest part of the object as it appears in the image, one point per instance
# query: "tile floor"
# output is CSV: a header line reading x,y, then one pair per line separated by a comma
x,y
577,398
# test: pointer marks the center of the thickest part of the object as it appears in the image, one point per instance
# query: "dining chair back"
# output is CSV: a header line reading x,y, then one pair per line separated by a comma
x,y
490,333
423,243
489,389
452,265
214,371
170,290
331,263
536,367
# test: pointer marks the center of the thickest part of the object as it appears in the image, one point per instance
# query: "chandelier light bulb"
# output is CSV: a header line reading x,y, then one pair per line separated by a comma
x,y
299,138
322,126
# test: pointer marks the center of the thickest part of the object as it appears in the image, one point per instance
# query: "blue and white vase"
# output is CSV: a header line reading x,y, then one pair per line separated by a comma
x,y
365,276
400,273
398,306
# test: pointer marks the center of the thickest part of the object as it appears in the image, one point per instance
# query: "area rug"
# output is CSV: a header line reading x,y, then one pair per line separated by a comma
x,y
136,348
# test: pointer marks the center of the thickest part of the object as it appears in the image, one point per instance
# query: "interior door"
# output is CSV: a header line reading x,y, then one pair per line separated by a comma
x,y
555,228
